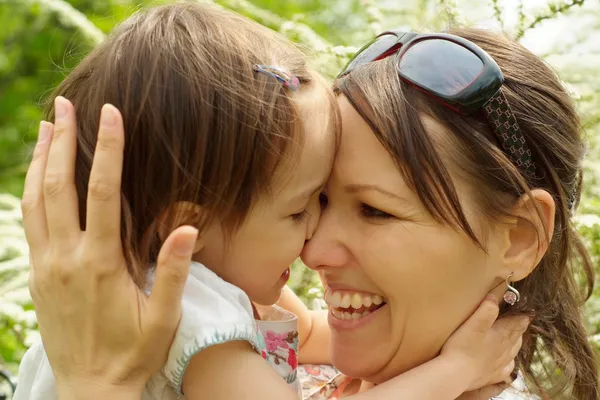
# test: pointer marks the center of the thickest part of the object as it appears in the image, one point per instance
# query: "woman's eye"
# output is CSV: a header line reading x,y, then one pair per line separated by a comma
x,y
372,212
302,216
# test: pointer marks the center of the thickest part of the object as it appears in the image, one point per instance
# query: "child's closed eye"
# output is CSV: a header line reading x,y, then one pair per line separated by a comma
x,y
302,216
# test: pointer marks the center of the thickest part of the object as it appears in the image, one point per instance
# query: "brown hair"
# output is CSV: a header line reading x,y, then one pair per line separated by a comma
x,y
201,125
557,339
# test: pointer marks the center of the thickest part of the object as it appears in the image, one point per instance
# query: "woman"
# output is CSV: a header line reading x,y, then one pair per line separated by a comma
x,y
434,200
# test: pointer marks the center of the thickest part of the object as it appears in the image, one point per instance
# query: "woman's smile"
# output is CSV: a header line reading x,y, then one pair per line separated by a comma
x,y
349,309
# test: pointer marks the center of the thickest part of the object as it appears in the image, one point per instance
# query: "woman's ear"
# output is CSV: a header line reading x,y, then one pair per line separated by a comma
x,y
528,234
179,214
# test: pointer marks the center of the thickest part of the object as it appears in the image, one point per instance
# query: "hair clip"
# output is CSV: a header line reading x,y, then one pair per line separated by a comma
x,y
288,80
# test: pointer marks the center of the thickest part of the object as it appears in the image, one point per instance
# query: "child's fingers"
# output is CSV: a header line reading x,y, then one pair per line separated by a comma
x,y
511,328
502,375
516,348
172,270
507,371
512,342
483,318
491,391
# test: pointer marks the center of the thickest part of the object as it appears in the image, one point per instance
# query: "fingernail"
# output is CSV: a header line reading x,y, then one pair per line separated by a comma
x,y
491,297
44,131
60,107
184,245
108,116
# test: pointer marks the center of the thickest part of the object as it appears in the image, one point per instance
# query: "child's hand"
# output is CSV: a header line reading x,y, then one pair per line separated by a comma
x,y
488,392
485,348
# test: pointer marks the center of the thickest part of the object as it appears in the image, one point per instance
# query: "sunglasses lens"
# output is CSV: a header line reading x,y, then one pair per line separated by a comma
x,y
440,66
379,48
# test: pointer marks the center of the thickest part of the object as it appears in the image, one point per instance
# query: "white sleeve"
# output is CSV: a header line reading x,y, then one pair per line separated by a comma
x,y
36,380
213,312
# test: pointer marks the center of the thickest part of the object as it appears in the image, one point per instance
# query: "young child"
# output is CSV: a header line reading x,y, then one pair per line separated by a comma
x,y
227,130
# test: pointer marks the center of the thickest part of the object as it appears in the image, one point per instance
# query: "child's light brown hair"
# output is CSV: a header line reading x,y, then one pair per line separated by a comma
x,y
556,356
201,126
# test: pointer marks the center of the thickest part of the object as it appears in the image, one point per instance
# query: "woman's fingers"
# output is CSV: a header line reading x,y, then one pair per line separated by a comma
x,y
516,348
32,204
172,271
104,190
60,196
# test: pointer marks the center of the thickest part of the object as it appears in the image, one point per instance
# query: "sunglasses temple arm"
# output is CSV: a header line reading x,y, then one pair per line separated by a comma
x,y
504,123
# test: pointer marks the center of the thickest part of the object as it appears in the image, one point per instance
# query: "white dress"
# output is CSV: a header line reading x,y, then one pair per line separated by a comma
x,y
213,312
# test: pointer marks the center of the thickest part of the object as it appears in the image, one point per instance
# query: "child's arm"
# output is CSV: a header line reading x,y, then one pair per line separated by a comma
x,y
481,352
313,329
233,370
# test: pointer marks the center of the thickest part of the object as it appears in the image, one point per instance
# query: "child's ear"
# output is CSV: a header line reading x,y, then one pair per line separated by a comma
x,y
179,214
528,235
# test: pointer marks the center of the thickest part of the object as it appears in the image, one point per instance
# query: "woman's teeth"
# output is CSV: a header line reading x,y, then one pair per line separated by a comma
x,y
348,316
352,305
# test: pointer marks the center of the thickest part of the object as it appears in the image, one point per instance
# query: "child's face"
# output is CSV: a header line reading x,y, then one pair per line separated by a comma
x,y
258,257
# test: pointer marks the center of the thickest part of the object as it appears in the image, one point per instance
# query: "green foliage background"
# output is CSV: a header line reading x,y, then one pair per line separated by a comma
x,y
43,39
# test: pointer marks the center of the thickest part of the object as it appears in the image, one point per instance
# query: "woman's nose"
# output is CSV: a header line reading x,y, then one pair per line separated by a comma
x,y
326,247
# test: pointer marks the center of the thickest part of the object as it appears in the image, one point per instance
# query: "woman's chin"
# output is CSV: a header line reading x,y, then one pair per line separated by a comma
x,y
365,348
360,362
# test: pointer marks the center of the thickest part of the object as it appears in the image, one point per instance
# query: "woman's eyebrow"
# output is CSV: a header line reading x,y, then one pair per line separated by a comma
x,y
355,188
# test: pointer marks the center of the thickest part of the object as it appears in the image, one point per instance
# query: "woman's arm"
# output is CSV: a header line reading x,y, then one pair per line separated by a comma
x,y
313,330
79,278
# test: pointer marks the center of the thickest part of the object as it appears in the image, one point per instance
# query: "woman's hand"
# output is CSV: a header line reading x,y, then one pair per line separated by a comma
x,y
101,333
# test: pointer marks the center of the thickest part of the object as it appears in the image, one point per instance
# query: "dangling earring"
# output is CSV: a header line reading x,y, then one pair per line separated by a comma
x,y
512,295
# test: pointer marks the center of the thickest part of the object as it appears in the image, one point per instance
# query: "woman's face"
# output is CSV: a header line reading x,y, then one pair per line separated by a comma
x,y
376,244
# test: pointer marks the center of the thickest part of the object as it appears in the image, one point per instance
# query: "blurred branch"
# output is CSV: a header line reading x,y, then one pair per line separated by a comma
x,y
260,15
449,8
553,11
498,12
374,15
422,11
68,15
304,33
521,14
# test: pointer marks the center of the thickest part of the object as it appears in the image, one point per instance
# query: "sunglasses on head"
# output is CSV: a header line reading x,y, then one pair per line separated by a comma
x,y
457,73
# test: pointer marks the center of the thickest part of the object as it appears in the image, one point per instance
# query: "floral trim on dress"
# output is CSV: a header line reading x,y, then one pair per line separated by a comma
x,y
336,388
314,377
277,334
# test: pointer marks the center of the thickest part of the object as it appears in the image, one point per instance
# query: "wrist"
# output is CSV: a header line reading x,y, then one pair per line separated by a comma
x,y
96,390
457,371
